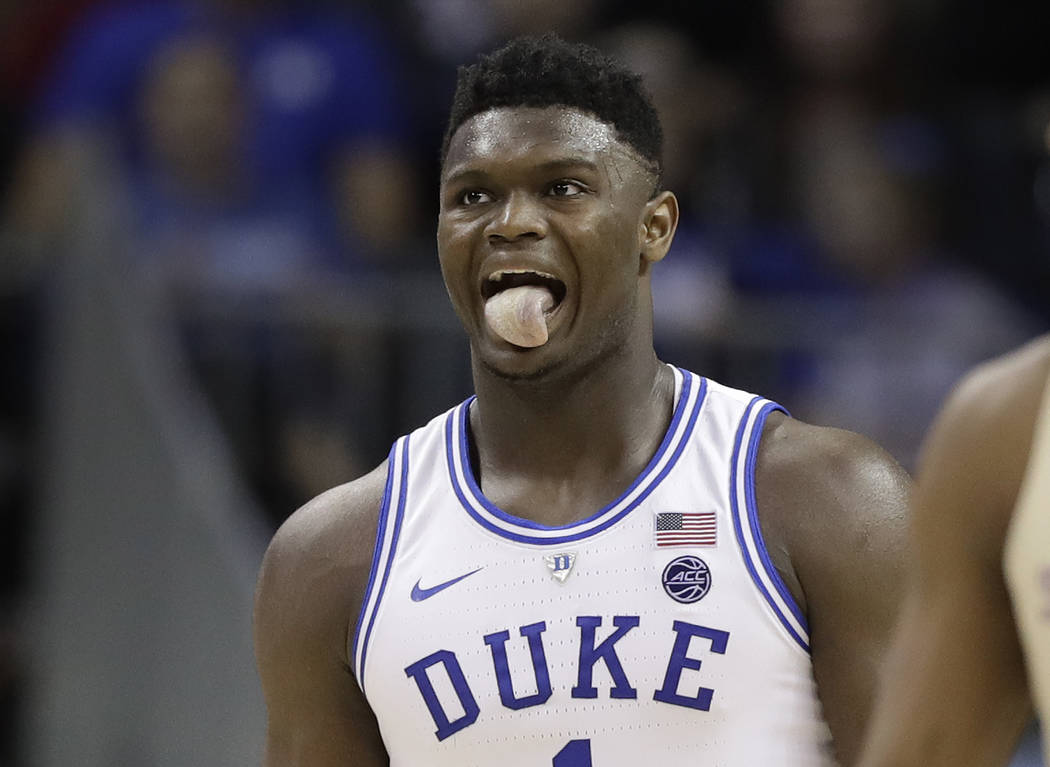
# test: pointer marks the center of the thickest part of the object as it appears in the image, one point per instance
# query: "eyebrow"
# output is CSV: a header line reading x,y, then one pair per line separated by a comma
x,y
557,164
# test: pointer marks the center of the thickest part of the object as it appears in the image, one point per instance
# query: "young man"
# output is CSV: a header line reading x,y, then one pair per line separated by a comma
x,y
600,558
955,690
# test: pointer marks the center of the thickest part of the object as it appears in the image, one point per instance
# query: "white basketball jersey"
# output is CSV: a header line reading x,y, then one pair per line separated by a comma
x,y
653,631
1027,565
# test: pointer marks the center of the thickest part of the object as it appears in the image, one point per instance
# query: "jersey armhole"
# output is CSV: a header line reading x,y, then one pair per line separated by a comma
x,y
388,530
747,529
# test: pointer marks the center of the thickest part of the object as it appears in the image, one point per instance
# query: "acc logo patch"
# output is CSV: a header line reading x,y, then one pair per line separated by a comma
x,y
687,579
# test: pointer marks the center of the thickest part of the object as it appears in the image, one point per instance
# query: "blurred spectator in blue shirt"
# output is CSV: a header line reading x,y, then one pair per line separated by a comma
x,y
323,125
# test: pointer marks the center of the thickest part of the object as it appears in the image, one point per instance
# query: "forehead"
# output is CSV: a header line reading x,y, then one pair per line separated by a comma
x,y
533,135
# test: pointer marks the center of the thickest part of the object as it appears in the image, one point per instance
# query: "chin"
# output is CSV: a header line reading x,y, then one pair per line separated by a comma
x,y
544,365
523,366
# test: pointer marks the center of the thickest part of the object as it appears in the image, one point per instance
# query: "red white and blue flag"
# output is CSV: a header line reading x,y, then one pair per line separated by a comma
x,y
686,528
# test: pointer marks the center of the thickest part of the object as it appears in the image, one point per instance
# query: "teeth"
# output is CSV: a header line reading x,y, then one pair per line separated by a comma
x,y
498,275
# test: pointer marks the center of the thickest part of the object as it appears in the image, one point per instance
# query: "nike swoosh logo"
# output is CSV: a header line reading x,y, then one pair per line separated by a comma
x,y
419,594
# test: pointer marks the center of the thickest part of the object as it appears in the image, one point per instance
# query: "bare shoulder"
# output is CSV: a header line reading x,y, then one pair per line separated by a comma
x,y
317,564
833,508
822,457
819,487
340,521
1002,393
1010,380
976,451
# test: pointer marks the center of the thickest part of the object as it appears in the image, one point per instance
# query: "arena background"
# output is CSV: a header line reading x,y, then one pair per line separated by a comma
x,y
219,292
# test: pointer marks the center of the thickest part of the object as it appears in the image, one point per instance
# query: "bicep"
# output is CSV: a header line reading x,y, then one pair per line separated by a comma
x,y
322,724
854,593
317,715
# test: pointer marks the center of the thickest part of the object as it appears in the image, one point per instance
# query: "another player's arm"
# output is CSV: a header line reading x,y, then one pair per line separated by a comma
x,y
833,508
954,689
308,596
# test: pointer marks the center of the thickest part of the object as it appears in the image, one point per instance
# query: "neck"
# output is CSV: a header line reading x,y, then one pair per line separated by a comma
x,y
571,443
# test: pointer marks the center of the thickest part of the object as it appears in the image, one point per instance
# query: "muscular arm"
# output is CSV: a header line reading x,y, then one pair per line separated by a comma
x,y
832,506
954,690
309,594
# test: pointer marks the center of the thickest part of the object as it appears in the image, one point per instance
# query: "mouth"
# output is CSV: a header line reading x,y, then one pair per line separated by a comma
x,y
521,305
505,279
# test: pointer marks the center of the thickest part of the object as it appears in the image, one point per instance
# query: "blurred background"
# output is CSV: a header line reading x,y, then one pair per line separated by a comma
x,y
219,292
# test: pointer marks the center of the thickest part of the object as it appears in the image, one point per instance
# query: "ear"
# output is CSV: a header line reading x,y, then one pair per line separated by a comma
x,y
657,227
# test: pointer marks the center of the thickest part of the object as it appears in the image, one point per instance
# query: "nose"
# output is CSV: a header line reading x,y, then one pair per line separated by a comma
x,y
519,215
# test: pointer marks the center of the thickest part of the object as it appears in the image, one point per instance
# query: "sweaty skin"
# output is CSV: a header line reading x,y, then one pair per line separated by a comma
x,y
567,426
517,315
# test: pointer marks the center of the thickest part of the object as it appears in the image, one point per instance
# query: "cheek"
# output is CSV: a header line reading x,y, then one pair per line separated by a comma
x,y
454,260
450,247
618,247
625,259
610,276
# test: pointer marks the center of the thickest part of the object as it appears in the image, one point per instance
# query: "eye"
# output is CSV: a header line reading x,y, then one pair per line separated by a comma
x,y
565,189
475,197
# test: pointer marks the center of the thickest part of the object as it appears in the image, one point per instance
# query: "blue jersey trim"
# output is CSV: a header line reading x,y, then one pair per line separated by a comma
x,y
734,502
752,515
520,527
380,534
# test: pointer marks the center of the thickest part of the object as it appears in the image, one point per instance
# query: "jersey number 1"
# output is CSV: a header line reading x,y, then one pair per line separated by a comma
x,y
577,753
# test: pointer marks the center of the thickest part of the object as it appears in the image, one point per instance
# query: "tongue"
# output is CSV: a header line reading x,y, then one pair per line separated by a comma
x,y
516,315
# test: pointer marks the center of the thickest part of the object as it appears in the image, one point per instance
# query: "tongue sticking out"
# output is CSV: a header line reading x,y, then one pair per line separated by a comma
x,y
516,315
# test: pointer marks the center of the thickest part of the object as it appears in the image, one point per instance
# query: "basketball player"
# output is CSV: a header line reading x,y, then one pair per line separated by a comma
x,y
955,690
601,559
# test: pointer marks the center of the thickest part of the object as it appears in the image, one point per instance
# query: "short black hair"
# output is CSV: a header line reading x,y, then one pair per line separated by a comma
x,y
549,71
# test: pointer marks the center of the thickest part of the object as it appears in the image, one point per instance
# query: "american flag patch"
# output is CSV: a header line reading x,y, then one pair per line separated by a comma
x,y
686,528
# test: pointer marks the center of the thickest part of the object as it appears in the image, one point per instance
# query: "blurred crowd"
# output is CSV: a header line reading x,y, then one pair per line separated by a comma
x,y
865,190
